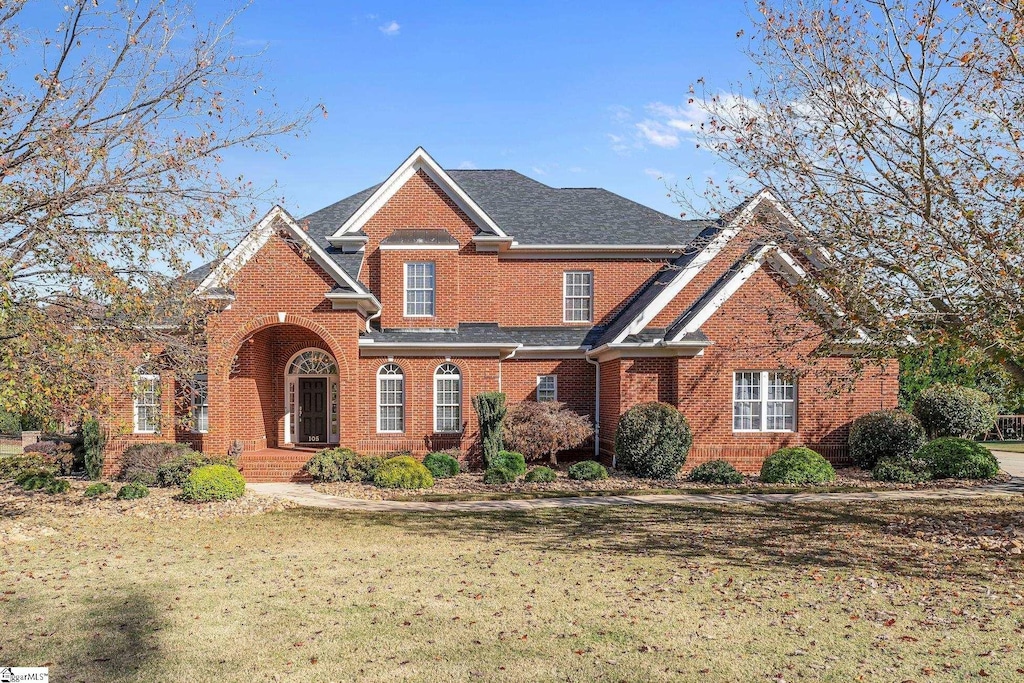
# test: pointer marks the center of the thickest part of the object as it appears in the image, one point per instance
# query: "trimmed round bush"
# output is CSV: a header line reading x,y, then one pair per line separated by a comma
x,y
587,470
441,465
652,440
716,472
96,490
952,410
796,465
901,471
541,475
132,491
403,472
57,486
511,461
495,476
953,458
213,482
884,434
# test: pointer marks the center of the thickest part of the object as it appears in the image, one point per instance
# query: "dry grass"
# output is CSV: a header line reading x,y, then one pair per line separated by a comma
x,y
726,593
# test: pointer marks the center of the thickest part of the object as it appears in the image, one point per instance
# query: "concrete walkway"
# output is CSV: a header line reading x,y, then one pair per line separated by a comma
x,y
304,495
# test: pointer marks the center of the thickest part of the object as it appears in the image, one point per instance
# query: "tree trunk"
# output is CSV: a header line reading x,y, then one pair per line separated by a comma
x,y
553,458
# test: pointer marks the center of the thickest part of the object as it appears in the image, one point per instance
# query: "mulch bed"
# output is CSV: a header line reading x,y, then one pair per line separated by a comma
x,y
471,483
21,511
1002,533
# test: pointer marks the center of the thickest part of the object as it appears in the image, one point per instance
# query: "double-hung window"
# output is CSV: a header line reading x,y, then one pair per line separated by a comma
x,y
763,401
419,289
200,405
146,400
390,399
447,399
578,296
547,388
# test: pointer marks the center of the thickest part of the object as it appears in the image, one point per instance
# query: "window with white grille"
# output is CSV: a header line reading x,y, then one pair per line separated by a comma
x,y
146,403
419,289
447,399
547,388
200,405
390,399
578,292
764,401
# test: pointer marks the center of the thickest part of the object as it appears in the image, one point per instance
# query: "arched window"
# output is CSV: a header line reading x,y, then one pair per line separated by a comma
x,y
313,362
146,401
390,399
447,398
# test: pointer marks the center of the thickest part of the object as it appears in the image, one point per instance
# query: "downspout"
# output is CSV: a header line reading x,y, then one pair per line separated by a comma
x,y
597,410
500,359
373,317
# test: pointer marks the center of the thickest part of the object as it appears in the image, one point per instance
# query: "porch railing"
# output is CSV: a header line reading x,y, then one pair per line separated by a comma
x,y
1007,428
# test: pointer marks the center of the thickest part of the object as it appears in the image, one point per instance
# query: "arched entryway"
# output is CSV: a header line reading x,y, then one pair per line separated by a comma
x,y
311,398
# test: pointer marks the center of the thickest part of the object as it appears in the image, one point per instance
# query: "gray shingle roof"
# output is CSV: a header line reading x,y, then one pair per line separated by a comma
x,y
491,333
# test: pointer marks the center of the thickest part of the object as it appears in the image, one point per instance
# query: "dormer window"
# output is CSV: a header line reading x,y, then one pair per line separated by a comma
x,y
419,289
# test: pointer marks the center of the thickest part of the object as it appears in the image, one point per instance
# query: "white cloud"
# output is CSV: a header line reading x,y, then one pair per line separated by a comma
x,y
539,171
668,125
658,175
391,28
657,134
466,165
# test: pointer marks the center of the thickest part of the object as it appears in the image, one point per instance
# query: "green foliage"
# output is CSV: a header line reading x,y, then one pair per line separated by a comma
x,y
905,470
490,410
96,490
951,410
92,442
141,461
934,362
587,470
652,440
34,479
953,458
511,461
132,491
10,423
716,472
796,465
13,465
57,486
541,475
403,472
175,472
343,464
441,465
497,475
884,434
213,482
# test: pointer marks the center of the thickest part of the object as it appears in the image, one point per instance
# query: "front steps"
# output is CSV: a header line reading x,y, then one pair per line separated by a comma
x,y
272,465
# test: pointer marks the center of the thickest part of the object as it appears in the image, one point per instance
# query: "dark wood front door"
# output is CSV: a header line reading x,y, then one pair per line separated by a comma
x,y
312,410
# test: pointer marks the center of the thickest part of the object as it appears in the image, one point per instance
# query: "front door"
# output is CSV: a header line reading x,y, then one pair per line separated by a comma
x,y
313,410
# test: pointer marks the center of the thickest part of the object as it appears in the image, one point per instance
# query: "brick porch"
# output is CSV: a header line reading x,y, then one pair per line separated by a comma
x,y
275,465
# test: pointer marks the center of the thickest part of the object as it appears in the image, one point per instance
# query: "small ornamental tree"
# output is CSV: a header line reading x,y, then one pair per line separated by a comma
x,y
92,437
542,429
490,410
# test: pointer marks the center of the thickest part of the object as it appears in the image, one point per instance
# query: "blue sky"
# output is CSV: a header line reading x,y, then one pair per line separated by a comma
x,y
571,93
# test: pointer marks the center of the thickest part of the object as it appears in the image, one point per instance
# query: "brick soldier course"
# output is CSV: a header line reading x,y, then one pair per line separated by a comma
x,y
500,244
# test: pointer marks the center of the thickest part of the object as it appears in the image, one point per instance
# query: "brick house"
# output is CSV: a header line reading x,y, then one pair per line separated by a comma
x,y
372,322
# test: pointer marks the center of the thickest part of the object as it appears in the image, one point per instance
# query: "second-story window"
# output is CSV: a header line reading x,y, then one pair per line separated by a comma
x,y
419,289
578,292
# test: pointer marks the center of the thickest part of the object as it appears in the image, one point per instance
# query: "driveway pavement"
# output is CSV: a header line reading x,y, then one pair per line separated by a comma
x,y
1011,462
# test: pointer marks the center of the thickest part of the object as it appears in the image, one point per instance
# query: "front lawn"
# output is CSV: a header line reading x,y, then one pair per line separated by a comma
x,y
833,592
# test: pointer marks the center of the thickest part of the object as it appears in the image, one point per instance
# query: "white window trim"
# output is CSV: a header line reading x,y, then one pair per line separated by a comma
x,y
195,421
565,297
764,403
438,430
554,381
405,291
155,379
390,431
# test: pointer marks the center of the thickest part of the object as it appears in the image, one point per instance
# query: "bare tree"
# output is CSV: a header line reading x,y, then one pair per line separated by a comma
x,y
113,122
893,130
